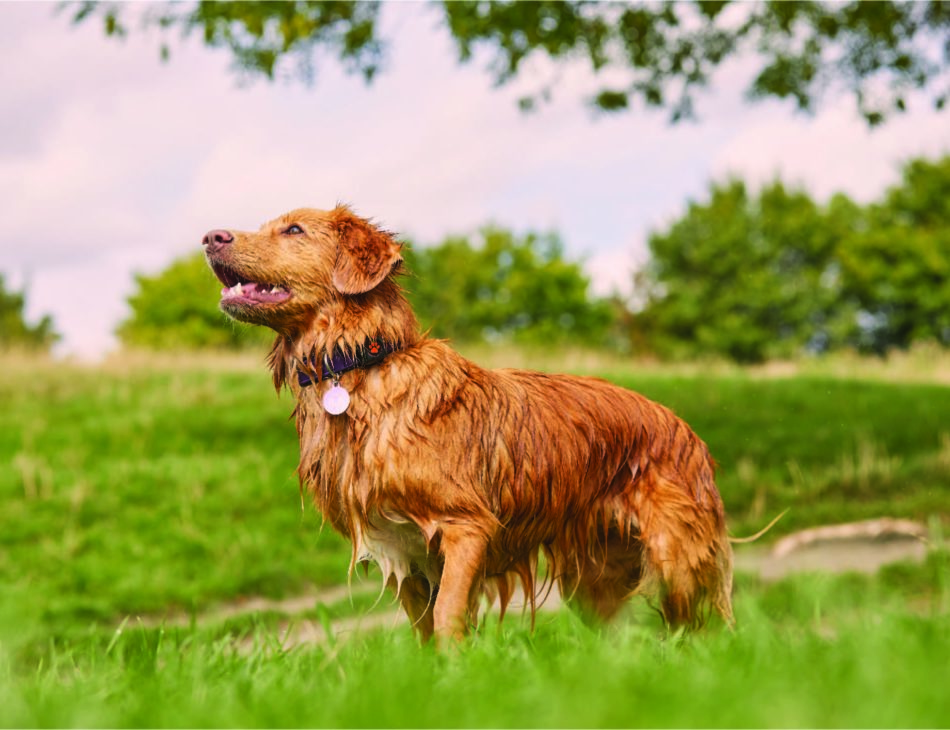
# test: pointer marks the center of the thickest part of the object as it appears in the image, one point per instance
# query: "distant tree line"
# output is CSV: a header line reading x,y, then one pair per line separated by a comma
x,y
746,275
774,274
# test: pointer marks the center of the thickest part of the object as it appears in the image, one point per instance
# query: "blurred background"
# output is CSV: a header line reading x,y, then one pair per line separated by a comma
x,y
741,210
746,181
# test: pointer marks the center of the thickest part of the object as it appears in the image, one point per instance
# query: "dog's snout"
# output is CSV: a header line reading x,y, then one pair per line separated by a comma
x,y
217,239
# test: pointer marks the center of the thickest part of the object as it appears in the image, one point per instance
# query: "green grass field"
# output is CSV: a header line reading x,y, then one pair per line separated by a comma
x,y
145,490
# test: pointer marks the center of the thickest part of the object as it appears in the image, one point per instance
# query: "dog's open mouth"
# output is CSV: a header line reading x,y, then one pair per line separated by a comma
x,y
241,290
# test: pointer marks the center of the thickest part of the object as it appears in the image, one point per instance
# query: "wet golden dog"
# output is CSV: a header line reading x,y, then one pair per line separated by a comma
x,y
453,478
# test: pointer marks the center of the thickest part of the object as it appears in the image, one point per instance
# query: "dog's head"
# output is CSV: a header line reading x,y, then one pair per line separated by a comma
x,y
296,264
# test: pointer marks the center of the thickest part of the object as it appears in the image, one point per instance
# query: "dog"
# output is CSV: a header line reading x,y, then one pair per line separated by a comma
x,y
455,479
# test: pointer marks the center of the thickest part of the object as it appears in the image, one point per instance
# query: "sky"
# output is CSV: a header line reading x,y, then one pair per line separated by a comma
x,y
113,163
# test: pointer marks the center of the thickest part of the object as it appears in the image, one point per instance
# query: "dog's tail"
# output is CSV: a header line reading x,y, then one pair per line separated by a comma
x,y
756,536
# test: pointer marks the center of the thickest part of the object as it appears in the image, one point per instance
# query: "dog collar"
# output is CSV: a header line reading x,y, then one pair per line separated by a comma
x,y
372,352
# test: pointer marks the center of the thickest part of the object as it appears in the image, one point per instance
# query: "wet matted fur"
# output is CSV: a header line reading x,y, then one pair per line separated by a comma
x,y
454,478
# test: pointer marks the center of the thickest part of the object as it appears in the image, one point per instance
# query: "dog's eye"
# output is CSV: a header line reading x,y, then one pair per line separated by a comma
x,y
293,230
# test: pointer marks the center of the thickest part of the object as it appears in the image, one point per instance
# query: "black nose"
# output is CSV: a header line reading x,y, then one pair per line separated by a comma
x,y
217,239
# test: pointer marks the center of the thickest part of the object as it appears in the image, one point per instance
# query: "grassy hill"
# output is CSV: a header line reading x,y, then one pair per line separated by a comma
x,y
143,487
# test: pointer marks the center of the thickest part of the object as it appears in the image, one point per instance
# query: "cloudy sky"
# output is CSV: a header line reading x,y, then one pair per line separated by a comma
x,y
112,162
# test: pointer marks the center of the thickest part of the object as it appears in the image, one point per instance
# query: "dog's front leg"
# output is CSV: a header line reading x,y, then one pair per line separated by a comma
x,y
463,548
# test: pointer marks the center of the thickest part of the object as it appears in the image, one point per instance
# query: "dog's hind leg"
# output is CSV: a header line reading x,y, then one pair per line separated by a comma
x,y
598,585
417,597
687,557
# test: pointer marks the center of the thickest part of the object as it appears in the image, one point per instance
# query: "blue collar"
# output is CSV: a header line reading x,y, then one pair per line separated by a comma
x,y
371,352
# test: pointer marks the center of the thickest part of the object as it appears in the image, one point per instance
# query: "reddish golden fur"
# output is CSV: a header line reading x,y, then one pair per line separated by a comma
x,y
455,478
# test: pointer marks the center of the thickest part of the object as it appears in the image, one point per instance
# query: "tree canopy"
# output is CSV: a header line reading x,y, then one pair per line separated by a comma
x,y
657,54
504,288
15,331
895,262
756,276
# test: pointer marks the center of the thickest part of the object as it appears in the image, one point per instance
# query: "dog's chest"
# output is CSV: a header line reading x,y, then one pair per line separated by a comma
x,y
399,548
357,471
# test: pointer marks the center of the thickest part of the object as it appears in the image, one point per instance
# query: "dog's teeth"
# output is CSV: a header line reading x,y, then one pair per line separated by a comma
x,y
236,289
275,290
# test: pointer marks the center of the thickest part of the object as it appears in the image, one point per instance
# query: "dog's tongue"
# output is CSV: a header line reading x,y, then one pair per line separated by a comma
x,y
254,291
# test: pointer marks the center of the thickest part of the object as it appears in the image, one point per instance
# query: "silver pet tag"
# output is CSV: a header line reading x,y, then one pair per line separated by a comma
x,y
336,400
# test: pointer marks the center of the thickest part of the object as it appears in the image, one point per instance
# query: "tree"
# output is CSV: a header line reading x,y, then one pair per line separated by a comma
x,y
663,52
752,277
895,266
15,332
504,288
741,276
178,309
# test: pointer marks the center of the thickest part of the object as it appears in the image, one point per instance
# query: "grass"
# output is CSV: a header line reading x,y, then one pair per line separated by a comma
x,y
809,651
923,363
156,487
152,489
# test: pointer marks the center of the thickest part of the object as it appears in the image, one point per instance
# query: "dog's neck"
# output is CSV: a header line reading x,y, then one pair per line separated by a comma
x,y
345,324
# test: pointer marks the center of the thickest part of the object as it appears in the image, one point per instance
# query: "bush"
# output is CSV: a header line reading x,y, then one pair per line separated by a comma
x,y
15,332
178,309
505,288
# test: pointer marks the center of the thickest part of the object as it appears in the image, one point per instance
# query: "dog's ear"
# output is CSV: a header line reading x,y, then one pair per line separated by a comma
x,y
365,254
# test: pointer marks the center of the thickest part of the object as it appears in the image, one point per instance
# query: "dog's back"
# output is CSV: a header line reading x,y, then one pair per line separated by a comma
x,y
616,490
626,490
